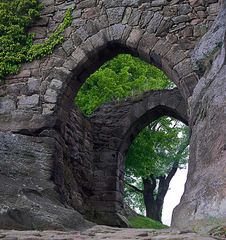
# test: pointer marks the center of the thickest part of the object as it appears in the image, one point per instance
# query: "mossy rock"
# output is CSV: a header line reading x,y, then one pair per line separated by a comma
x,y
144,222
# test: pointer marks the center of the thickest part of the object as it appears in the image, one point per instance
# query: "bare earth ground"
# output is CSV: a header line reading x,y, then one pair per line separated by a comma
x,y
102,233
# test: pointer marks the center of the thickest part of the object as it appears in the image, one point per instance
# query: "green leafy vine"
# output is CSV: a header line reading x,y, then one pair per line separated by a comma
x,y
40,50
16,43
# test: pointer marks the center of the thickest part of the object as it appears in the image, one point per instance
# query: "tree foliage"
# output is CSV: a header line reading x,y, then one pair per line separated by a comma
x,y
158,148
118,78
16,43
155,149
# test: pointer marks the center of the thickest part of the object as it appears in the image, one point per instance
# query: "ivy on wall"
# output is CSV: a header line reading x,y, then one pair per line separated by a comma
x,y
16,44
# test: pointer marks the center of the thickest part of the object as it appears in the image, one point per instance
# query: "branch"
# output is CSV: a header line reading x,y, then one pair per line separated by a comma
x,y
136,189
158,128
164,182
175,124
162,189
153,125
149,183
176,163
172,172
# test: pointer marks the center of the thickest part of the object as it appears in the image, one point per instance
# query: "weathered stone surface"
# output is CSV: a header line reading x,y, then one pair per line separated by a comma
x,y
116,31
134,38
157,3
38,102
146,43
30,200
33,85
103,232
68,46
181,19
204,202
127,14
50,96
154,23
210,44
184,9
115,15
86,4
7,105
28,101
134,17
56,84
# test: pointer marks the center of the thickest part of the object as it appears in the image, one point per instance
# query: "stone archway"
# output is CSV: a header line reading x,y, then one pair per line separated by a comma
x,y
115,125
163,33
37,111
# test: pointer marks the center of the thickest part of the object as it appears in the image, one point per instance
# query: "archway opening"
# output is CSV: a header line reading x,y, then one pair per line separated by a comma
x,y
90,61
119,78
116,80
154,158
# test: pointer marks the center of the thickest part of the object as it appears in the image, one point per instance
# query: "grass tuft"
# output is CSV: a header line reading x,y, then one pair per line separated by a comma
x,y
144,222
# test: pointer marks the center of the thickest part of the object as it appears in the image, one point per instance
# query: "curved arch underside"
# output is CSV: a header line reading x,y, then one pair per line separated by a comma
x,y
125,119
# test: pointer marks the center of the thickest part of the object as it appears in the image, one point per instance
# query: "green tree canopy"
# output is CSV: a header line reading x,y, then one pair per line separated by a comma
x,y
119,78
157,151
157,148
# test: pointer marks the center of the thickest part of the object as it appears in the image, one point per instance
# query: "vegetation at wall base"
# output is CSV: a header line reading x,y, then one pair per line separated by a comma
x,y
144,222
16,43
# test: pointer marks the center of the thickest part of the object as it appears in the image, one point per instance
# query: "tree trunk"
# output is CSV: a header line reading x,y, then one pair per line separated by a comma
x,y
154,201
154,204
153,207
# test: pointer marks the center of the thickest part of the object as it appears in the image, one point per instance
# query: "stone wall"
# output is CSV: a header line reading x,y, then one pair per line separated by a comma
x,y
160,32
77,168
71,154
85,162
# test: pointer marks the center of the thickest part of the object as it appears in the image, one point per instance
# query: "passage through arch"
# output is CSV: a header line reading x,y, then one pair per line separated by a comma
x,y
37,110
122,121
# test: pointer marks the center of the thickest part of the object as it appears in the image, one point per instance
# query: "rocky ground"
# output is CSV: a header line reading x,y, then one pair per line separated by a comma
x,y
103,232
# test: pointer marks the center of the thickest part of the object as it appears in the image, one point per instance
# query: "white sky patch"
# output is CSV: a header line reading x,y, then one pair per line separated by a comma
x,y
173,195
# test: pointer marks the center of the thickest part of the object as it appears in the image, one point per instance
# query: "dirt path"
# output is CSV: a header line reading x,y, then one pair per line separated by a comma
x,y
101,233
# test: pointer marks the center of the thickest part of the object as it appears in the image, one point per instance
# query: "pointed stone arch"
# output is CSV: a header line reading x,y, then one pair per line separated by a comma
x,y
115,125
160,32
36,105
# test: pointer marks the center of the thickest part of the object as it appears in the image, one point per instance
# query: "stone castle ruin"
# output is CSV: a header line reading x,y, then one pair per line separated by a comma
x,y
60,169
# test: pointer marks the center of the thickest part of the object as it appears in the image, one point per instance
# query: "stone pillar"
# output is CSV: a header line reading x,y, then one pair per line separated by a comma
x,y
107,201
